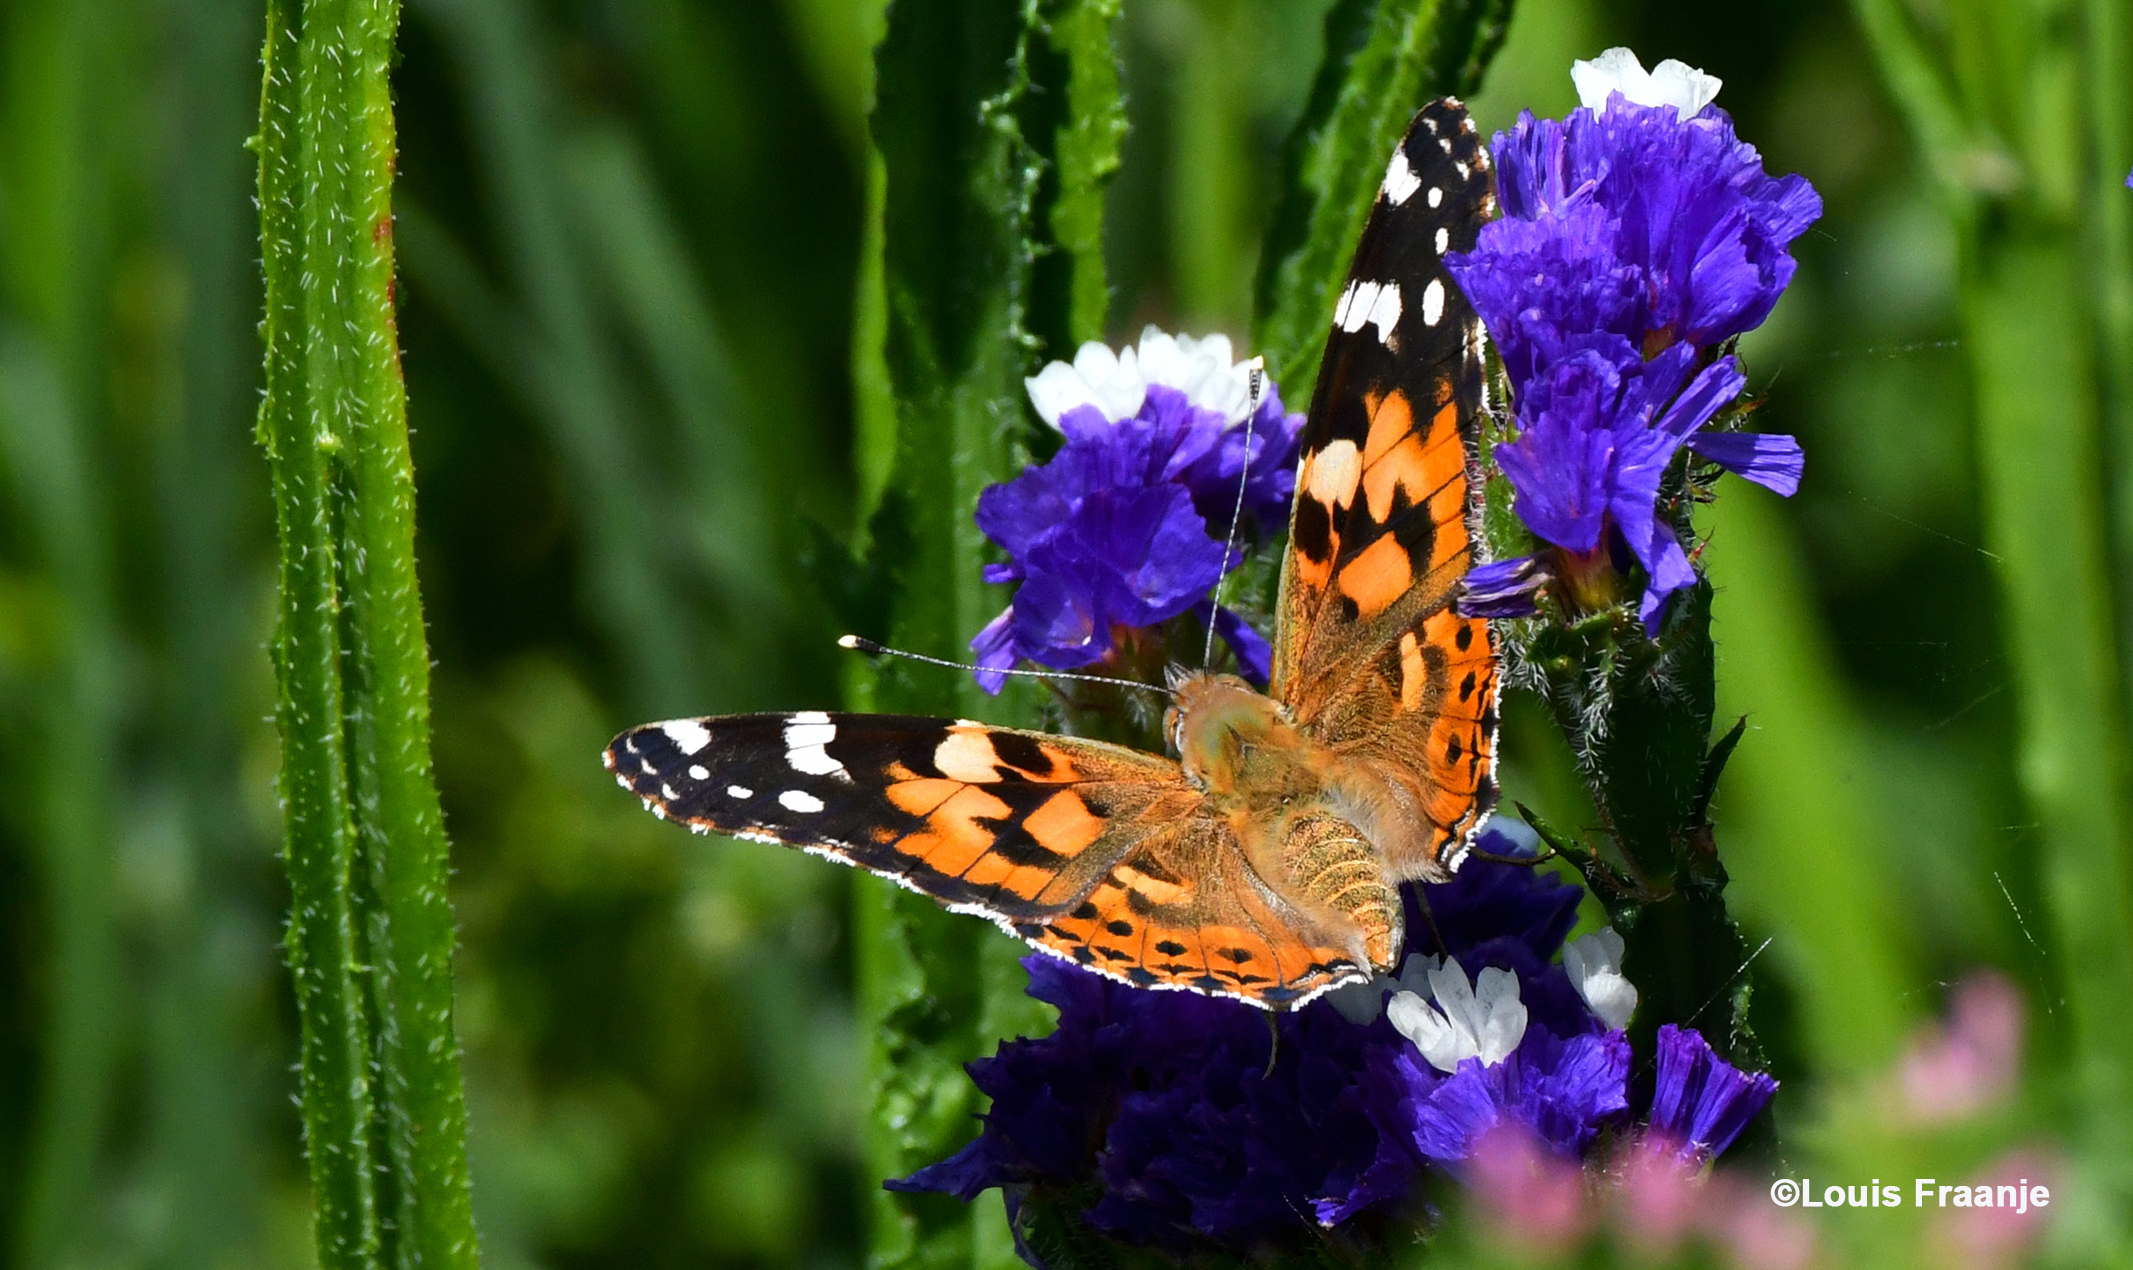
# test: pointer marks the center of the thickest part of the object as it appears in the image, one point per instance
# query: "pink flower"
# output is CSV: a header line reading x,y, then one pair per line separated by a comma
x,y
1959,1068
1656,1195
1533,1198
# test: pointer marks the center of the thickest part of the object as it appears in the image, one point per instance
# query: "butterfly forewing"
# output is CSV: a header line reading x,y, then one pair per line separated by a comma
x,y
1369,655
1097,853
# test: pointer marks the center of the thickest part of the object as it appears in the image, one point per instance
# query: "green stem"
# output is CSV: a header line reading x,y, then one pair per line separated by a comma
x,y
365,831
318,822
2039,452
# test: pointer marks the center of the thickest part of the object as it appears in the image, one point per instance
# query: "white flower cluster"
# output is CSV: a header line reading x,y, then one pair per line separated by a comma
x,y
1670,83
1484,1018
1117,383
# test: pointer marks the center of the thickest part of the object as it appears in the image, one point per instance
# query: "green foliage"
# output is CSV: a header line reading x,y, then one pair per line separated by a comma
x,y
2000,117
968,142
370,930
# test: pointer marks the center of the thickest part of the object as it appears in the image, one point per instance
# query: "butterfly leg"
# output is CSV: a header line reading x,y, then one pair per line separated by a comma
x,y
1330,863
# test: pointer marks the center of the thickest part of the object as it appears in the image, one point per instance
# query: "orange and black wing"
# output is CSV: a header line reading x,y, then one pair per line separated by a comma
x,y
1093,852
1369,655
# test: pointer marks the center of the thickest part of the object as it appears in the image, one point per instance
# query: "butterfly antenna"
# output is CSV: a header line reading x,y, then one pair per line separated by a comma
x,y
872,649
1236,515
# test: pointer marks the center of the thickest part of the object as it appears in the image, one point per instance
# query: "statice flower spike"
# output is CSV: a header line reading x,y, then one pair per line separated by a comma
x,y
1110,382
1123,528
1601,427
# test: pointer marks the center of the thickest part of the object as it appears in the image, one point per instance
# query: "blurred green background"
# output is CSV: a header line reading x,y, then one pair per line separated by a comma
x,y
629,231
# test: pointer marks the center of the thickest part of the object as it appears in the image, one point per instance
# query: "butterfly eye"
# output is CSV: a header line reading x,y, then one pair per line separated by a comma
x,y
1173,728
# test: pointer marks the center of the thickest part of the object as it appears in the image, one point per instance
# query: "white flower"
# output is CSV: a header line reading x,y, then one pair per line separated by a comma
x,y
1098,377
1117,383
1671,83
1483,1019
1202,369
1595,965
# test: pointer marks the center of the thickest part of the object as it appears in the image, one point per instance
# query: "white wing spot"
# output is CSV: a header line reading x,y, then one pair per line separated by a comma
x,y
1444,239
1400,179
1465,173
1364,303
1385,314
799,800
690,735
1347,302
698,772
1334,472
1436,197
1433,302
805,735
666,791
739,791
1445,142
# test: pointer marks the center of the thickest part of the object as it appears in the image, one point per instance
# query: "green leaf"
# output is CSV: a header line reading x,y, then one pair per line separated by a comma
x,y
1384,60
958,176
365,836
1082,73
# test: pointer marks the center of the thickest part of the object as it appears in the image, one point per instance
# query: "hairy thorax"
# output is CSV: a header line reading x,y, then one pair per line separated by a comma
x,y
1314,825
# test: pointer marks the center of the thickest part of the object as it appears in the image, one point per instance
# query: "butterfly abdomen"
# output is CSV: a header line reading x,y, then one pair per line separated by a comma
x,y
1328,862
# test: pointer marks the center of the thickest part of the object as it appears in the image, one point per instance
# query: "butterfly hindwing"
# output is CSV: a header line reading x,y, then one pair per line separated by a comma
x,y
1369,654
1093,852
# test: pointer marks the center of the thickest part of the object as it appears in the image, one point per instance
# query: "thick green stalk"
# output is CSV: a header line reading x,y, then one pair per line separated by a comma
x,y
2039,450
1384,60
366,847
318,822
1085,155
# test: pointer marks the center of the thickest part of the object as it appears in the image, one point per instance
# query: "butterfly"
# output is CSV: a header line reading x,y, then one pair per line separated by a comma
x,y
1263,862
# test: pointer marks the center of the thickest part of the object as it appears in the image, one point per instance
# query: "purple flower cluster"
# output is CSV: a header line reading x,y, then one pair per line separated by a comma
x,y
1638,236
1125,526
1176,1120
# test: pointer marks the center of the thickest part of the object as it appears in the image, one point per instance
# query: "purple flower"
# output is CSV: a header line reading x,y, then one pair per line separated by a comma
x,y
1700,1100
1665,205
1637,234
1125,526
1600,427
1559,1090
1163,1117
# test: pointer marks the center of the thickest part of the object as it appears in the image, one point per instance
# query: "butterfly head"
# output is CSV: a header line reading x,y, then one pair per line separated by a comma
x,y
1219,725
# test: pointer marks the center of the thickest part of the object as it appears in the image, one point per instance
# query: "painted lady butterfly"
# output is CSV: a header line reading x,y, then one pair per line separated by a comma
x,y
1264,863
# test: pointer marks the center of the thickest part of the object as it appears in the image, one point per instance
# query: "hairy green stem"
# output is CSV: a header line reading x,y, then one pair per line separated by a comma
x,y
370,935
